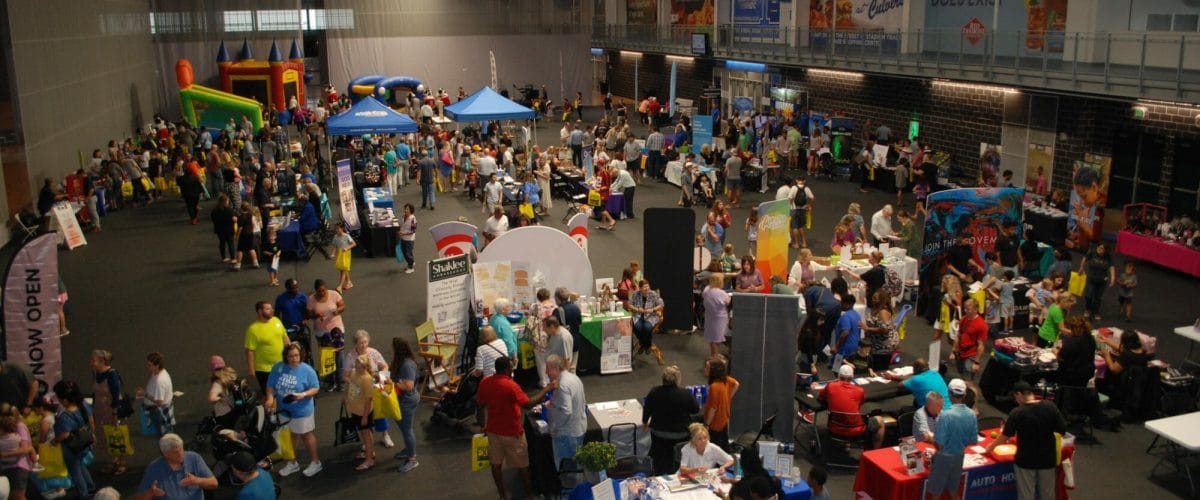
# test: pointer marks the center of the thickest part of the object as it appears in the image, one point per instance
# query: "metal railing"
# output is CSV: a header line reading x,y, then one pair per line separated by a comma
x,y
1158,65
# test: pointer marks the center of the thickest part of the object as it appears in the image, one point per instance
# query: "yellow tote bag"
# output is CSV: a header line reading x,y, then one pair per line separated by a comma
x,y
479,453
527,358
385,403
116,437
1077,284
285,451
328,361
342,263
51,458
808,219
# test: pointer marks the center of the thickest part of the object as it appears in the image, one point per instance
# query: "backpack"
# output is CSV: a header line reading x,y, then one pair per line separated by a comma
x,y
892,282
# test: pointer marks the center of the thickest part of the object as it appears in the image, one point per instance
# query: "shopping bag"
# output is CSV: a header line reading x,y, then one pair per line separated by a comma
x,y
285,451
328,361
386,404
126,189
593,198
479,453
527,358
33,422
343,260
147,426
118,441
1077,284
160,184
146,184
526,209
808,219
346,429
51,458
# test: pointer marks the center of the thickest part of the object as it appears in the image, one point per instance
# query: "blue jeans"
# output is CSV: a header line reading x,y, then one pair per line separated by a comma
x,y
408,414
427,195
564,447
81,478
406,248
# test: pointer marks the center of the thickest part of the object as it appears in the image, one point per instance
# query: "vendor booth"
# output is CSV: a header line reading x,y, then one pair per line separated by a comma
x,y
487,105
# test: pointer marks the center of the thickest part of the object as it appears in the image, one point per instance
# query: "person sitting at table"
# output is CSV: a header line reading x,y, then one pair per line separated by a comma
x,y
626,286
666,413
921,382
753,472
698,456
750,279
925,419
845,399
729,260
647,308
860,361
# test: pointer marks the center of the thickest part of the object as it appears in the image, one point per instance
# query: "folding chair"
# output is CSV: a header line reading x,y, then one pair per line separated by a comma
x,y
843,419
26,233
438,351
633,464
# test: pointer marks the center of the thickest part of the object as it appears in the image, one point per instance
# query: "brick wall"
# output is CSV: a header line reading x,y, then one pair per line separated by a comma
x,y
654,76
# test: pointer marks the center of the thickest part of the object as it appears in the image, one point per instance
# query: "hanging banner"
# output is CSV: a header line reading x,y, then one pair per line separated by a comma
x,y
774,233
953,25
453,238
873,25
71,233
755,18
578,230
641,12
693,12
702,130
346,195
977,213
1089,195
448,293
31,336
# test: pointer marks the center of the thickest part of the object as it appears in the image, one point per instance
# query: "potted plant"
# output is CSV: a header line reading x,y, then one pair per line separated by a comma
x,y
594,457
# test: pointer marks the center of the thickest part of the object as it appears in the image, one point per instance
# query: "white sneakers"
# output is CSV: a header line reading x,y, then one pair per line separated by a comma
x,y
293,467
387,440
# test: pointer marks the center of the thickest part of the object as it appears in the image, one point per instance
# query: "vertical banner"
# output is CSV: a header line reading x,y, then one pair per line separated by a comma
x,y
1089,195
702,131
453,238
773,236
448,294
72,234
346,194
31,335
641,12
578,230
674,76
977,213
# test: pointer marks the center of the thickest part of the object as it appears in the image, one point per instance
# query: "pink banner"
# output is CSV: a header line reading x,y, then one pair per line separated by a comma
x,y
453,238
578,230
31,335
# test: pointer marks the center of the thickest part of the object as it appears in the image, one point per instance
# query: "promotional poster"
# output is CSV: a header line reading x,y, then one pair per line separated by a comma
x,y
1089,195
976,213
693,12
773,236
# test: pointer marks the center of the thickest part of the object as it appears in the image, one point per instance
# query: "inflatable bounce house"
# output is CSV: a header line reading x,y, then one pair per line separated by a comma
x,y
204,106
273,83
390,90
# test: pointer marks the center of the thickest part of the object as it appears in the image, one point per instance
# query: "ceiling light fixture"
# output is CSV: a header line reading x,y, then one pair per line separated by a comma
x,y
830,72
973,86
631,53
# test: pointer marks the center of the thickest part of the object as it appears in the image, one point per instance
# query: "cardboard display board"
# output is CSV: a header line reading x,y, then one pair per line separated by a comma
x,y
448,293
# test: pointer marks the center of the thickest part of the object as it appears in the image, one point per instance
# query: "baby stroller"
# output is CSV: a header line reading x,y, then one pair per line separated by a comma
x,y
254,433
457,407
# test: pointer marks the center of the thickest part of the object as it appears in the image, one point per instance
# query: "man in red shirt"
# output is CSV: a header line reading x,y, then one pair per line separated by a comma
x,y
968,350
503,401
844,399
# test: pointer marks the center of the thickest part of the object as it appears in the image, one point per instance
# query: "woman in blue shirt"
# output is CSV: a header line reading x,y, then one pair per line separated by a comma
x,y
404,376
291,388
74,415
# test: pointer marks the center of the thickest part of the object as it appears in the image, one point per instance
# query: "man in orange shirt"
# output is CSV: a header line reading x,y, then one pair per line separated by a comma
x,y
844,399
721,388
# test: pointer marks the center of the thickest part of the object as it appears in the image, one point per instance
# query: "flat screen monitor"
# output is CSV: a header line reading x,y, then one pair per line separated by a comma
x,y
700,44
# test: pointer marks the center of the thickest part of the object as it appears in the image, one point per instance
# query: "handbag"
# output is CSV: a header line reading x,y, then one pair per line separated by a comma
x,y
1077,284
346,429
479,453
385,403
116,437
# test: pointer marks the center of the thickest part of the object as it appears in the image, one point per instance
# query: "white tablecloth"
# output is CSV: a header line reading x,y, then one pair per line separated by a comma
x,y
675,171
610,413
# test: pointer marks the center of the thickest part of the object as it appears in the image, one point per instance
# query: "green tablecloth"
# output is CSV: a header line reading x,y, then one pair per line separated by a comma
x,y
592,328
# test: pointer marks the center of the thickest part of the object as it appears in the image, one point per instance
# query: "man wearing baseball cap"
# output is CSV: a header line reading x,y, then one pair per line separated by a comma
x,y
956,429
1034,423
256,484
844,399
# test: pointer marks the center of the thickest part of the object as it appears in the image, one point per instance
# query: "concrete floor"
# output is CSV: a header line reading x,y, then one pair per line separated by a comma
x,y
151,282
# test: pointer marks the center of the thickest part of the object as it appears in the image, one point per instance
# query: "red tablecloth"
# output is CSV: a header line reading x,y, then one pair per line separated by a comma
x,y
1161,252
882,475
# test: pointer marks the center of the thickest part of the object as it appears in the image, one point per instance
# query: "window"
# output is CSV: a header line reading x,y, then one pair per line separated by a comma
x,y
239,20
1186,23
330,19
279,20
1158,22
170,22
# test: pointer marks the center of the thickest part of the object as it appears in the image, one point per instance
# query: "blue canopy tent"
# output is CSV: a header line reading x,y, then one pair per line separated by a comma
x,y
487,105
369,116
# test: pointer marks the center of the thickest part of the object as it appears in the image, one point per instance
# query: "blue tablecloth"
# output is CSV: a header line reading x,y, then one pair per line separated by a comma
x,y
798,491
379,197
290,239
615,204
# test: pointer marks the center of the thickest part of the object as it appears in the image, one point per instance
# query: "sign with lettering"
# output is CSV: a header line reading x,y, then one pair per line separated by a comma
x,y
950,26
31,334
346,194
865,24
974,31
641,11
448,295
